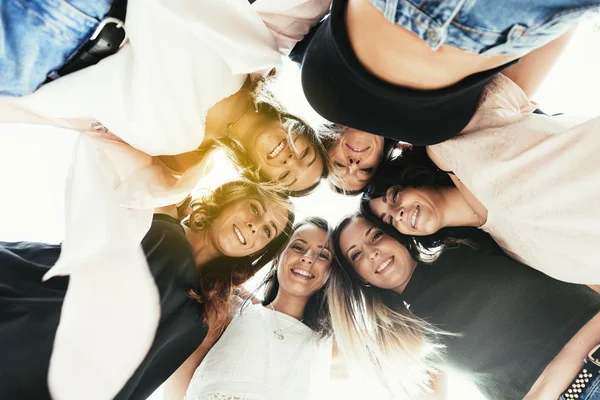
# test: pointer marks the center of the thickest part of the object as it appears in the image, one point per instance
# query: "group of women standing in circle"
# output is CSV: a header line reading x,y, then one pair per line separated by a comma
x,y
473,250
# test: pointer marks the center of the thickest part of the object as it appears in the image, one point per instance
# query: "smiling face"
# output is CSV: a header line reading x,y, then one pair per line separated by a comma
x,y
304,265
247,226
354,159
377,258
412,211
297,167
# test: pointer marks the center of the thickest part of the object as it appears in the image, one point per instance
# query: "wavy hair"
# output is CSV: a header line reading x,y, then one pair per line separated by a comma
x,y
220,277
377,333
266,103
316,313
413,169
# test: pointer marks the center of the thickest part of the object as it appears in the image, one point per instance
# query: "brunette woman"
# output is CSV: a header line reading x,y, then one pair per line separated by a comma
x,y
231,233
524,178
403,322
280,348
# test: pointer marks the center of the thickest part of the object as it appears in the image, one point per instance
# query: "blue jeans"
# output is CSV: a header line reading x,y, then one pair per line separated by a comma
x,y
38,36
591,391
488,27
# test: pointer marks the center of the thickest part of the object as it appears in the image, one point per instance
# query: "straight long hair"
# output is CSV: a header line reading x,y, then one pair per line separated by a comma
x,y
316,312
377,334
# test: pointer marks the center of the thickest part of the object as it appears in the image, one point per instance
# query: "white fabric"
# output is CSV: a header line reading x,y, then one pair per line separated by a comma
x,y
182,58
250,363
538,177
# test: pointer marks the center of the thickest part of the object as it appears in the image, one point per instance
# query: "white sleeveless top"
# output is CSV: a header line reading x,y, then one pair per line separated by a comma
x,y
249,362
538,177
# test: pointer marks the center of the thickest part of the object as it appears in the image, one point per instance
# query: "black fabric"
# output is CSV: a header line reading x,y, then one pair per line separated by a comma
x,y
513,319
30,312
341,90
105,44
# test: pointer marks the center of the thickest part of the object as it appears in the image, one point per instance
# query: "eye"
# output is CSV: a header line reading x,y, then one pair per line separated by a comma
x,y
324,256
254,209
268,231
338,165
395,195
377,236
284,175
355,255
305,153
391,221
297,247
367,171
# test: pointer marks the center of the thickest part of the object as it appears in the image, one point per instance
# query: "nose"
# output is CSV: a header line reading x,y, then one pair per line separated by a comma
x,y
401,214
290,160
251,227
373,254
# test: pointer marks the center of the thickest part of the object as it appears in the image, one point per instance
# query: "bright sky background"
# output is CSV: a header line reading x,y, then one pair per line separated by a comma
x,y
34,161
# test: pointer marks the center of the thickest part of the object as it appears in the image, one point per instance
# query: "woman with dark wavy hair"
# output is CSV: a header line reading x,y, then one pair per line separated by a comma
x,y
402,323
533,190
280,348
230,234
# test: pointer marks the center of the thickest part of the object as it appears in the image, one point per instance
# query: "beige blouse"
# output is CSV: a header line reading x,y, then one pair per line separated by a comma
x,y
538,177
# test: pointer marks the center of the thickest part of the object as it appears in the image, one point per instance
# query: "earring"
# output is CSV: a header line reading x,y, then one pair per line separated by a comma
x,y
366,284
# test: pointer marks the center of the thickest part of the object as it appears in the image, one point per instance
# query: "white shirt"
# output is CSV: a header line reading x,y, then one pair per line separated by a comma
x,y
538,177
249,362
183,56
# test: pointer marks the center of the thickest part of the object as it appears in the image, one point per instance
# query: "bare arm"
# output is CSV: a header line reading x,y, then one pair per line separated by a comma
x,y
532,70
176,386
560,372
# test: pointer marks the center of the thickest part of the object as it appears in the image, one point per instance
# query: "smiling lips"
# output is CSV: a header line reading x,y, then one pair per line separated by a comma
x,y
239,234
384,265
302,274
277,149
415,214
357,149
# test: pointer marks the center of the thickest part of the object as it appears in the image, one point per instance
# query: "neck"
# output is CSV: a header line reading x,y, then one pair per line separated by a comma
x,y
231,110
203,248
244,131
290,305
456,210
401,288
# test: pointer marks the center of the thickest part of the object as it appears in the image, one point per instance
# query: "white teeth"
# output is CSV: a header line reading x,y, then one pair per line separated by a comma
x,y
385,264
275,152
302,272
414,216
241,237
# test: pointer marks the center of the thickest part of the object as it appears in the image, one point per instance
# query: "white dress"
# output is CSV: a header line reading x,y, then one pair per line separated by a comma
x,y
182,58
538,177
250,363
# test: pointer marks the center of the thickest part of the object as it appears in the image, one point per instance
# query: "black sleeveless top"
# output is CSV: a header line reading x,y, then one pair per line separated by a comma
x,y
513,319
30,312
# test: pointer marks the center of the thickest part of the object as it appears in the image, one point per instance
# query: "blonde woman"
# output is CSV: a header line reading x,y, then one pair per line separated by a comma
x,y
196,266
513,331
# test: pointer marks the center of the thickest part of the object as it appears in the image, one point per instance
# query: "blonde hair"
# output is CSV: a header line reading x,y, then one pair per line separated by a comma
x,y
377,334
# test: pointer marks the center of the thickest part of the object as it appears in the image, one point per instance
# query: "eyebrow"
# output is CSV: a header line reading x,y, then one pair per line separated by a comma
x,y
353,246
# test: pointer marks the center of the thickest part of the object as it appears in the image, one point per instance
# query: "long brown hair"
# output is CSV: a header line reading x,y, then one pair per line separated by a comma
x,y
220,277
376,333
